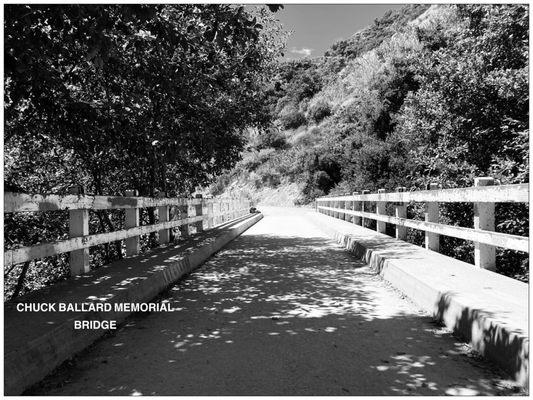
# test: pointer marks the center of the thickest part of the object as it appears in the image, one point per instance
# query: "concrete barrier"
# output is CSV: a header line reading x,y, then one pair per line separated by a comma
x,y
486,309
36,343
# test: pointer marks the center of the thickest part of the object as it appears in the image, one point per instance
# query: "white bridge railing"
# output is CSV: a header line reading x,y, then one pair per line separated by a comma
x,y
483,195
197,212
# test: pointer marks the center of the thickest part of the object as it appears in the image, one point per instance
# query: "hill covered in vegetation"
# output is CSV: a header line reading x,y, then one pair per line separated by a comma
x,y
424,94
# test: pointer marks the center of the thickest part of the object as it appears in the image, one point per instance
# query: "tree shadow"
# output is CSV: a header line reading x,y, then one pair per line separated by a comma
x,y
507,346
279,316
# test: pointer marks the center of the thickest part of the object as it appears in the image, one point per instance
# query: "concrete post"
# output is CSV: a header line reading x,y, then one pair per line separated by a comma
x,y
432,215
401,212
381,226
79,260
216,212
163,213
184,214
210,215
363,208
356,207
133,246
347,205
484,254
199,208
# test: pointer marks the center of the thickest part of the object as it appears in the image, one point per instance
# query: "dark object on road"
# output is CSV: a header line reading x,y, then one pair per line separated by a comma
x,y
254,210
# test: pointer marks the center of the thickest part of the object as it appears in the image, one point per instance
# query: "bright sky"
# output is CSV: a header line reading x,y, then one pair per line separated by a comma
x,y
317,26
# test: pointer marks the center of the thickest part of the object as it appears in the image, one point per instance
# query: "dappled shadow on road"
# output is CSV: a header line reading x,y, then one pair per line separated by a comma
x,y
279,316
505,345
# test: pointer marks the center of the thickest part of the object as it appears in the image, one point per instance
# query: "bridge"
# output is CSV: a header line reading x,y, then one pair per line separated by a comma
x,y
289,301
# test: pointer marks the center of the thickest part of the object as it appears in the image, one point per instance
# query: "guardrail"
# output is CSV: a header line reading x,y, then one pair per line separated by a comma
x,y
196,212
483,195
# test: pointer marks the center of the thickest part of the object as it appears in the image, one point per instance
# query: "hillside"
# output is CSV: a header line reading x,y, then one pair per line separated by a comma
x,y
273,162
436,94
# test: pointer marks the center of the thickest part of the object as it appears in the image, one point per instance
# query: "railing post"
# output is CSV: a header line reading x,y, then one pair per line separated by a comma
x,y
401,212
163,213
229,211
131,221
363,209
210,215
381,226
184,214
199,208
484,254
347,217
216,211
432,215
356,206
79,260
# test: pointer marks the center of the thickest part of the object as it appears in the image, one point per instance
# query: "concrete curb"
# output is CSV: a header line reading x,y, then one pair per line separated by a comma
x,y
447,289
29,362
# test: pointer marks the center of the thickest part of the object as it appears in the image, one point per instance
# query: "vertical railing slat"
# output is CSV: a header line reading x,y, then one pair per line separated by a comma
x,y
401,212
79,260
198,211
131,221
432,215
484,254
363,209
381,226
163,214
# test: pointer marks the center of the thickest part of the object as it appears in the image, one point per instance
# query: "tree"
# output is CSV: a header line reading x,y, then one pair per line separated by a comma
x,y
117,97
145,97
473,97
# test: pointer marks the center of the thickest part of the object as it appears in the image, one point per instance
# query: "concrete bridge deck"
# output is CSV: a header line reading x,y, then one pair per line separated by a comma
x,y
282,310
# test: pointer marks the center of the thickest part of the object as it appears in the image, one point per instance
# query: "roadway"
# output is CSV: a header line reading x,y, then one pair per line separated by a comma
x,y
282,310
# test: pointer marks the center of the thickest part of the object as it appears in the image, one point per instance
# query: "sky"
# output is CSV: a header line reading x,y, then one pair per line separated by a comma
x,y
317,26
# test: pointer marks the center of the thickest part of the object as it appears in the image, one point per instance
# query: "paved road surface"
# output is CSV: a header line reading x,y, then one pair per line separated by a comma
x,y
281,311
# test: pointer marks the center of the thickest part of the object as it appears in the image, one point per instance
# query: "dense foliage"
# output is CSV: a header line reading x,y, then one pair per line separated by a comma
x,y
116,97
119,97
441,99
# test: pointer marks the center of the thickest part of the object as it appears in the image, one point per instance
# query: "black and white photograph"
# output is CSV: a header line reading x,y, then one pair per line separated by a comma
x,y
280,199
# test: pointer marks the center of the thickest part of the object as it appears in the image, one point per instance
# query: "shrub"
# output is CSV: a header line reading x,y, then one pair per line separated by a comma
x,y
254,160
271,138
319,111
293,120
